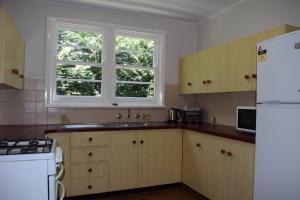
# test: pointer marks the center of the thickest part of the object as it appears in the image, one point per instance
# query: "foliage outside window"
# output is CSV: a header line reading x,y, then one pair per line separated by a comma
x,y
83,72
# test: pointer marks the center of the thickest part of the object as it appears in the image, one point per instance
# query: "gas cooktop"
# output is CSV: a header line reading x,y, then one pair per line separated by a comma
x,y
12,147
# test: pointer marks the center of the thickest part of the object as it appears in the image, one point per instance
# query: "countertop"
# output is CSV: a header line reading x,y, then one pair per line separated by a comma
x,y
38,131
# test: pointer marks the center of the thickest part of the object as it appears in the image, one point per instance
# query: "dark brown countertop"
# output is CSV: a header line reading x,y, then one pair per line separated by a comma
x,y
38,131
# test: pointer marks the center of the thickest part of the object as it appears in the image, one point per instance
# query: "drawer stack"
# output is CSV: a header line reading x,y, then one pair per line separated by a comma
x,y
89,162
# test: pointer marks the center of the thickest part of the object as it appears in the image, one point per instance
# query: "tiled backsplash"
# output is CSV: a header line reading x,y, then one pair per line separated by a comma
x,y
27,107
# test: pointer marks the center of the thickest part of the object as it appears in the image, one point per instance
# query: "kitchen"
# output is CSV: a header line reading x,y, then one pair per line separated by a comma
x,y
28,106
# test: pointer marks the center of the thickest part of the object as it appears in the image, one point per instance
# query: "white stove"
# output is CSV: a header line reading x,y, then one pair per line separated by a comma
x,y
28,170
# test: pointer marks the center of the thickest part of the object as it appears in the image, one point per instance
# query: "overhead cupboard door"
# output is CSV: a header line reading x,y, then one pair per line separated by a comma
x,y
278,69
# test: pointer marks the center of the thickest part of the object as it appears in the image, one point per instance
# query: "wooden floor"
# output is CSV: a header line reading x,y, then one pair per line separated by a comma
x,y
177,192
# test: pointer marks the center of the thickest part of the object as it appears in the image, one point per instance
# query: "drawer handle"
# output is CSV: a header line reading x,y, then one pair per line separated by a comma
x,y
254,76
229,153
142,141
90,153
189,84
198,145
15,71
90,139
204,82
90,170
208,81
222,151
133,142
247,77
90,187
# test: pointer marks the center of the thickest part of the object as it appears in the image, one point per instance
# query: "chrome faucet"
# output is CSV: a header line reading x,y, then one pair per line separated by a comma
x,y
129,113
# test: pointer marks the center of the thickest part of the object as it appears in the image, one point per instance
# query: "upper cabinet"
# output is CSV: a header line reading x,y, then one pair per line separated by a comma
x,y
11,53
230,67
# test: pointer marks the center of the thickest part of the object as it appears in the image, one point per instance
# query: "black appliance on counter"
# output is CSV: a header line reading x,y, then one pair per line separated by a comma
x,y
191,116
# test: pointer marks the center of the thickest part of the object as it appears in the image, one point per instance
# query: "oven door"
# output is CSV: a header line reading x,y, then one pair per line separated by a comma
x,y
56,188
23,179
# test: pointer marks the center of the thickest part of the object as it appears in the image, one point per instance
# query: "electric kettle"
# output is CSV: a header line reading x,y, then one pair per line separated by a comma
x,y
174,115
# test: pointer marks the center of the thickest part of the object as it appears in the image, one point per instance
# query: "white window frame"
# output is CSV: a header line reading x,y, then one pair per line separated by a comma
x,y
107,98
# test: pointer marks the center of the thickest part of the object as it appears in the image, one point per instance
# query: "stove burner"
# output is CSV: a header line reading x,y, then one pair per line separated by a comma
x,y
34,143
29,150
25,146
3,143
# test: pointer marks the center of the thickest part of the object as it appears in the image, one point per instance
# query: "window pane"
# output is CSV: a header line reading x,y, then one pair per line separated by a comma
x,y
79,72
134,90
126,58
135,75
88,39
134,44
78,88
78,54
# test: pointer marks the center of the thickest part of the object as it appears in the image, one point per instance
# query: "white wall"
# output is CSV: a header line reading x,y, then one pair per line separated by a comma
x,y
30,17
246,18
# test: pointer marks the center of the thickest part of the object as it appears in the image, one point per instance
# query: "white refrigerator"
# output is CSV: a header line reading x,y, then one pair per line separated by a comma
x,y
277,156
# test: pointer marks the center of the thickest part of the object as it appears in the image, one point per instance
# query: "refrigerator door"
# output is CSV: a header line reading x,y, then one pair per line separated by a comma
x,y
277,156
278,69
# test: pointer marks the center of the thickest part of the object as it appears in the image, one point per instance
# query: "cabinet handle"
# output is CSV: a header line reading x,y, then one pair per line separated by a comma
x,y
90,187
90,139
15,71
189,84
90,170
204,82
254,76
133,142
90,153
198,145
222,151
208,81
229,153
247,77
21,76
142,141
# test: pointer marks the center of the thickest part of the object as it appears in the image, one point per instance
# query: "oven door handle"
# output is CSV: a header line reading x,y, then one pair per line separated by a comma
x,y
62,191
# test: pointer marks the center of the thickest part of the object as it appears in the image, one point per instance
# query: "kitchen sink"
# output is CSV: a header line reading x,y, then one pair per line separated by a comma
x,y
83,125
114,125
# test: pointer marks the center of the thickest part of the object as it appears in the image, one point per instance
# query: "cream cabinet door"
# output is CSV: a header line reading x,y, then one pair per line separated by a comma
x,y
198,162
234,170
123,170
240,64
11,53
170,156
187,77
148,157
216,69
63,141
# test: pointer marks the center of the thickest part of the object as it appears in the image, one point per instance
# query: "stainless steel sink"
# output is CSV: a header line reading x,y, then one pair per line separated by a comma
x,y
114,125
83,125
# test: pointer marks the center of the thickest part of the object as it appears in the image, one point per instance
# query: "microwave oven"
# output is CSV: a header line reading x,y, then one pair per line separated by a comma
x,y
246,119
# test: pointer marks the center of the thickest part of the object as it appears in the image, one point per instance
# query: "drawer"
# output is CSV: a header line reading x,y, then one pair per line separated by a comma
x,y
86,139
89,170
89,185
89,154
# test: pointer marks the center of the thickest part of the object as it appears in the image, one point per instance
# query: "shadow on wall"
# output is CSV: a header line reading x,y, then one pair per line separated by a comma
x,y
222,106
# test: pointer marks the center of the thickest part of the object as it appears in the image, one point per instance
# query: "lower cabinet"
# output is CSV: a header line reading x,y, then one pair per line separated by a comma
x,y
145,158
218,168
89,158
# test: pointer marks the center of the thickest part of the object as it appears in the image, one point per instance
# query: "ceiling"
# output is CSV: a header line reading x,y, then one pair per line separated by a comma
x,y
193,11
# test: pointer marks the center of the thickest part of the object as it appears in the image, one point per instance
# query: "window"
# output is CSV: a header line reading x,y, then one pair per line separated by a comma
x,y
103,65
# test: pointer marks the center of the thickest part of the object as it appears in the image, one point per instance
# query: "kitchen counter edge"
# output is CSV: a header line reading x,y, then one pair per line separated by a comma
x,y
39,131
